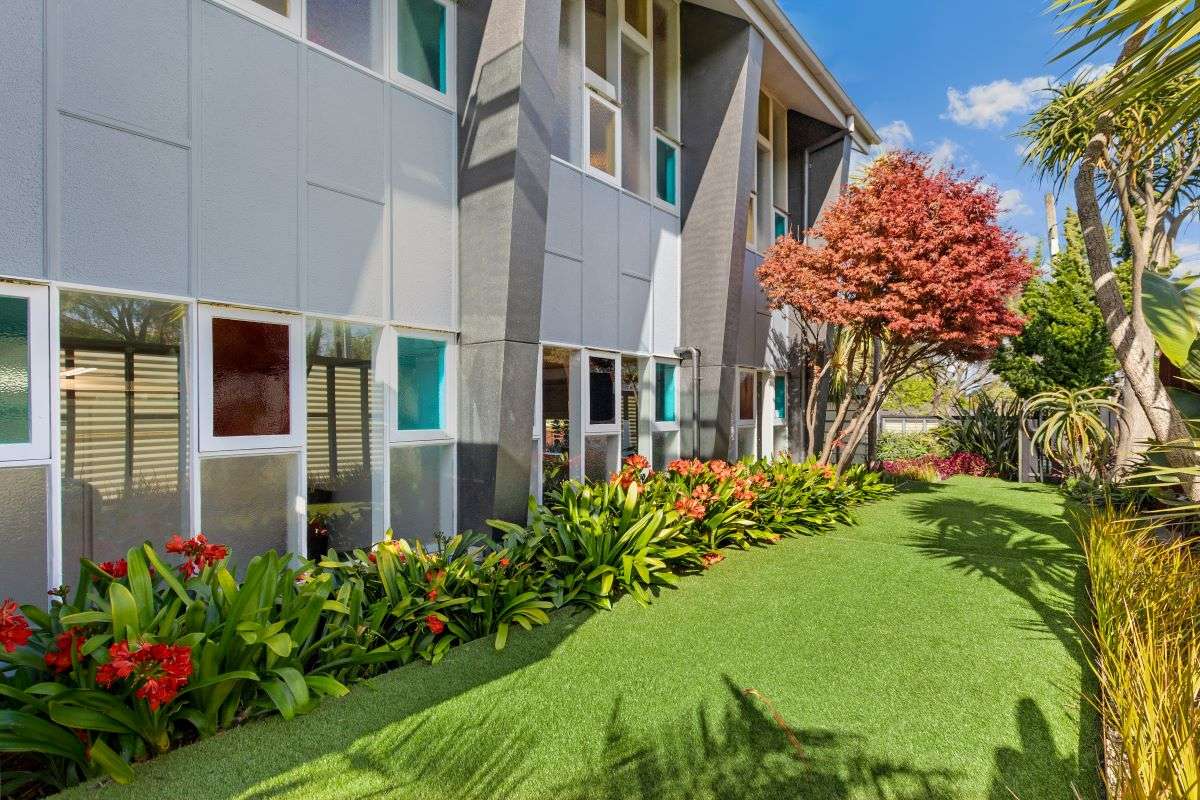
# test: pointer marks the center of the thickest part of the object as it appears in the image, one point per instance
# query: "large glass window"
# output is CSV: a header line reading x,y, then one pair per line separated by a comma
x,y
596,38
422,488
345,426
421,41
556,417
664,393
635,112
420,384
746,396
124,454
602,390
630,405
666,66
349,28
780,224
600,457
602,135
15,403
24,572
248,503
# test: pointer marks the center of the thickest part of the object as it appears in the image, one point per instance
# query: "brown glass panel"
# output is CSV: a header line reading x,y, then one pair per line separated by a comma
x,y
746,396
251,394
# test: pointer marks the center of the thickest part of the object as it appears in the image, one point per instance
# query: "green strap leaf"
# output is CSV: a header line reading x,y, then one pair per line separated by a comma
x,y
124,610
1167,315
112,764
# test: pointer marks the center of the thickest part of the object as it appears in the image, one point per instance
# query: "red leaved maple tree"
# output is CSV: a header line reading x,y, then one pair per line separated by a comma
x,y
912,261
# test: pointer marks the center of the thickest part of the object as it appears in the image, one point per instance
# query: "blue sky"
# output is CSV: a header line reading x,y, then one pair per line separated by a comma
x,y
955,79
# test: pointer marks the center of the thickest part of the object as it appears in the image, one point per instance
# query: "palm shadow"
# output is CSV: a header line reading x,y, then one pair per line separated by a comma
x,y
744,750
1037,558
1024,772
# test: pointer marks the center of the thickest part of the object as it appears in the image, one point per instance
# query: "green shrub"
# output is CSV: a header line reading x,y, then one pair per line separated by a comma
x,y
145,655
905,446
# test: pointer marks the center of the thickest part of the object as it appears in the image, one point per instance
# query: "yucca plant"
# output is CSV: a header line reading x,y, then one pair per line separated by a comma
x,y
988,426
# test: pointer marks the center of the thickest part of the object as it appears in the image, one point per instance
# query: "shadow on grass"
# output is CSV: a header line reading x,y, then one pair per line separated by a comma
x,y
740,750
1036,557
1027,771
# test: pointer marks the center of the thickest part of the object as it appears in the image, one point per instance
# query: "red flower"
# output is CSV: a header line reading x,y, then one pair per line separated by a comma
x,y
199,552
690,507
703,492
709,559
115,569
158,671
435,624
59,659
625,477
14,628
685,467
503,563
637,461
432,594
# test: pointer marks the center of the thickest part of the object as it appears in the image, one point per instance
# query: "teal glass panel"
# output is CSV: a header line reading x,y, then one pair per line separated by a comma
x,y
666,172
664,393
780,398
780,225
421,35
420,384
14,370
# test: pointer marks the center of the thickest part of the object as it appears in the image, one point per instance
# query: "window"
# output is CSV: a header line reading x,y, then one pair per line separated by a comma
x,y
24,373
420,384
746,397
752,222
764,116
666,66
780,224
630,405
421,38
779,157
780,391
349,28
124,451
636,16
635,113
764,220
251,503
251,379
284,13
557,433
665,396
345,427
666,173
602,391
568,106
601,457
602,135
598,54
25,568
422,488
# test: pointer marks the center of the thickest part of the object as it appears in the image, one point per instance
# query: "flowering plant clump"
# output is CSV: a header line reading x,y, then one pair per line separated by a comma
x,y
199,553
14,628
933,468
115,569
158,671
58,659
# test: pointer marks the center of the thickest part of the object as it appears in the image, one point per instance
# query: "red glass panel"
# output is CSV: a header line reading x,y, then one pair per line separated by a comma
x,y
250,378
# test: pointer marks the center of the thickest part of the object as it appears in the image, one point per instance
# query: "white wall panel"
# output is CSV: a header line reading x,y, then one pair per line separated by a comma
x,y
21,132
636,255
347,238
665,282
564,212
600,257
636,316
562,307
347,128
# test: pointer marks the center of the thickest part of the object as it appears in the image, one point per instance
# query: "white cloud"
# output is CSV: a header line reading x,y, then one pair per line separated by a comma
x,y
896,135
1090,72
991,104
943,154
1013,204
1030,243
1189,258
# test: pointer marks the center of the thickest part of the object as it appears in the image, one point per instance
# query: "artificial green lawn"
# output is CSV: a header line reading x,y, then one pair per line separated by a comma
x,y
929,651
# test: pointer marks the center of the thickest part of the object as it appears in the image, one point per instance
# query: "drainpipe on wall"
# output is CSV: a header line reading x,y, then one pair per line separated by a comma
x,y
694,354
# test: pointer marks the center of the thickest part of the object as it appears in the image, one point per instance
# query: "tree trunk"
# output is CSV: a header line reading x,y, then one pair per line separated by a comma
x,y
1134,352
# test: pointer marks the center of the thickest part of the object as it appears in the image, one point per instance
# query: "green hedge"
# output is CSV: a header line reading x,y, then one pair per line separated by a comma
x,y
144,655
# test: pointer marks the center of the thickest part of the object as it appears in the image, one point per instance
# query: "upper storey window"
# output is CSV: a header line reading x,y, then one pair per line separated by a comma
x,y
768,213
421,36
350,28
618,87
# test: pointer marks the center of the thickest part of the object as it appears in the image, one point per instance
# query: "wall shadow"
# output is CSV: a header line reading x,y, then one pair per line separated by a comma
x,y
739,749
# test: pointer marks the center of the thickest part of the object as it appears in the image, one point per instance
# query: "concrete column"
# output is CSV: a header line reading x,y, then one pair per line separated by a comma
x,y
507,52
721,73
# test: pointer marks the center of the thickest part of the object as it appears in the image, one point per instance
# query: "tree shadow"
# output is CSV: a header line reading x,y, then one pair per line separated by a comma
x,y
1037,558
1025,772
741,749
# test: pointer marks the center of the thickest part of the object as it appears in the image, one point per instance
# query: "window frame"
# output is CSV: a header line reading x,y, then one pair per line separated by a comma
x,y
647,162
660,137
209,443
37,309
450,55
292,22
673,42
589,94
600,428
448,432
